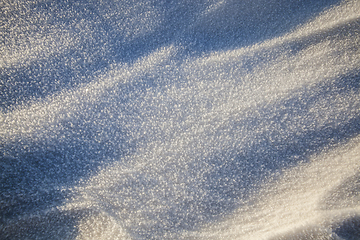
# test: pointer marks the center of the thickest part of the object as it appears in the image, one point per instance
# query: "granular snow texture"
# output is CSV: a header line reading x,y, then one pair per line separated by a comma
x,y
212,119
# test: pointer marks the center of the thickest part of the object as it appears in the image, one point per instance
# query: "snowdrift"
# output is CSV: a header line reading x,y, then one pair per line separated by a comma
x,y
180,120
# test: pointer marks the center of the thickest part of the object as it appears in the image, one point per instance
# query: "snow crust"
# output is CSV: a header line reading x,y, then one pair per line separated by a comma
x,y
180,119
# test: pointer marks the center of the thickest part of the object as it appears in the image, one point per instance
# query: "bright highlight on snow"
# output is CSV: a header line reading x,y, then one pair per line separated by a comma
x,y
180,120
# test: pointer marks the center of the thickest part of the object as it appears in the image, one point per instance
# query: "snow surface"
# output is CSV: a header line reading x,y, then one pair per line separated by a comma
x,y
213,119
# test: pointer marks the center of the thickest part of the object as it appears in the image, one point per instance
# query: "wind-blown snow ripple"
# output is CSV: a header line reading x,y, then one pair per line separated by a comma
x,y
255,139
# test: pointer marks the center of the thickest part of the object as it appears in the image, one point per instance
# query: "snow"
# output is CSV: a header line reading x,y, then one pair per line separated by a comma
x,y
180,120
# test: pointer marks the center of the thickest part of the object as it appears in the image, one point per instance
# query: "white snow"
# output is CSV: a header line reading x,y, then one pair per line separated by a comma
x,y
156,120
